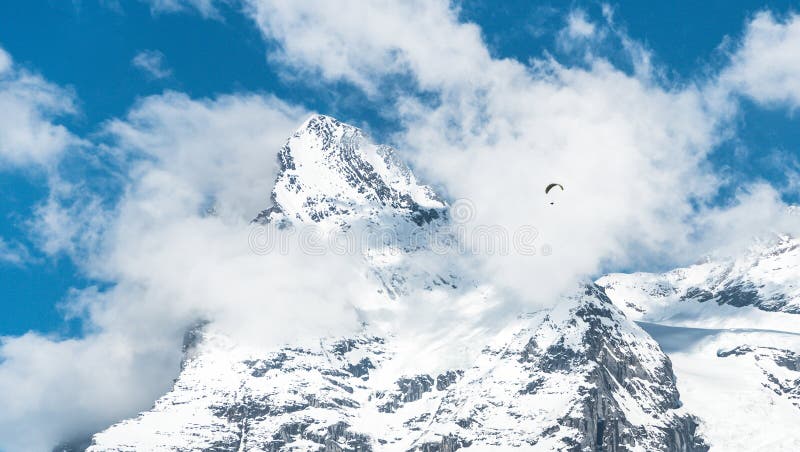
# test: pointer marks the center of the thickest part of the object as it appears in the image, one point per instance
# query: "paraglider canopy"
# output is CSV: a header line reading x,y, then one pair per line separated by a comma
x,y
552,186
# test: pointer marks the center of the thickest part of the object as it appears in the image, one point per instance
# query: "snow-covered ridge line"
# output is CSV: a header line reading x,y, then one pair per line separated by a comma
x,y
767,277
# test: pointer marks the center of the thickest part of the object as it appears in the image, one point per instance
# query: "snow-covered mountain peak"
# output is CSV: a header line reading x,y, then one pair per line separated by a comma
x,y
579,376
330,172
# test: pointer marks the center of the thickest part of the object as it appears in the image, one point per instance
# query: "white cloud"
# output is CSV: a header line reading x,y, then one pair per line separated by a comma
x,y
206,8
5,61
169,264
224,148
152,63
28,107
630,151
579,26
373,40
579,33
70,221
53,390
630,155
764,66
757,213
13,253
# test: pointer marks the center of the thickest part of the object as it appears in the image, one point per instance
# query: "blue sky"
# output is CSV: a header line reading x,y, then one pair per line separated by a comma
x,y
88,47
673,126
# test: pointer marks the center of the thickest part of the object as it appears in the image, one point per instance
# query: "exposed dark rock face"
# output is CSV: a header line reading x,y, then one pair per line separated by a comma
x,y
616,367
413,388
789,360
192,336
446,444
732,294
737,351
443,381
409,390
336,438
361,369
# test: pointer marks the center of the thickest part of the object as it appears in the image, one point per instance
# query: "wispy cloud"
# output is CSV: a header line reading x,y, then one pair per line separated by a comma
x,y
153,63
13,253
579,26
206,8
29,109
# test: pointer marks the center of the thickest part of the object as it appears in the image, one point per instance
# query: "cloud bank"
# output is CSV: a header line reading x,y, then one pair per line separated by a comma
x,y
631,148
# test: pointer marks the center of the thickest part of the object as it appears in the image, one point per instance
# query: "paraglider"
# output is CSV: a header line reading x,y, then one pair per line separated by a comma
x,y
552,186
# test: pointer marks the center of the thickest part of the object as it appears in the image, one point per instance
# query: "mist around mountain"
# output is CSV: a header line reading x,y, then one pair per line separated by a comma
x,y
444,361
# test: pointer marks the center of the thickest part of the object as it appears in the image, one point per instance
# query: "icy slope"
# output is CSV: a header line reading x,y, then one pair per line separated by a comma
x,y
575,377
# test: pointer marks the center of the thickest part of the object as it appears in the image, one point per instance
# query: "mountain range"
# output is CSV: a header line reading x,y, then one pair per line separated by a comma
x,y
699,358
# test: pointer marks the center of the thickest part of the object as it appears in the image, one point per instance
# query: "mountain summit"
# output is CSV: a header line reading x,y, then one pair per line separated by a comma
x,y
577,377
328,171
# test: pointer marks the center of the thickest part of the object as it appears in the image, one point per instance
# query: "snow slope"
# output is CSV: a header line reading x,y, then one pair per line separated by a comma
x,y
743,385
732,331
542,384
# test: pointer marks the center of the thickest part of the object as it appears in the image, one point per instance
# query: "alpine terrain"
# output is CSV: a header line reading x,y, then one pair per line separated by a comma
x,y
581,376
732,330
